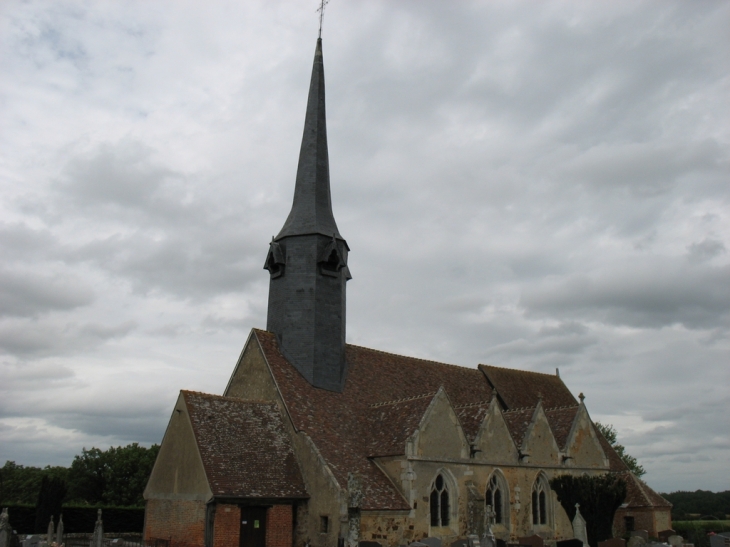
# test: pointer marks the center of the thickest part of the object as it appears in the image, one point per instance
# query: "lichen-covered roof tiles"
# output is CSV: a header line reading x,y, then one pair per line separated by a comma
x,y
245,450
638,493
522,388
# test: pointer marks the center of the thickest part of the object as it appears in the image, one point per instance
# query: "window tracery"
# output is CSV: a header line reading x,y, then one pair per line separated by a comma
x,y
439,502
540,491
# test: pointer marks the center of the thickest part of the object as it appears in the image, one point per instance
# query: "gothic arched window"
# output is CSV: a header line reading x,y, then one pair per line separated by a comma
x,y
496,496
439,503
540,491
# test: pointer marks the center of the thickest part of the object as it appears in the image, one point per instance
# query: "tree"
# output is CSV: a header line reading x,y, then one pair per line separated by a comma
x,y
21,484
599,496
116,476
609,432
50,499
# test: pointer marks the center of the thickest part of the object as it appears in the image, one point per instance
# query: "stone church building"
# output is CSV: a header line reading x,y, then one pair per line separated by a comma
x,y
320,443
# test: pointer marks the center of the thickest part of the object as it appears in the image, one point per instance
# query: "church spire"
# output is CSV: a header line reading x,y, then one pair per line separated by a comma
x,y
307,261
311,211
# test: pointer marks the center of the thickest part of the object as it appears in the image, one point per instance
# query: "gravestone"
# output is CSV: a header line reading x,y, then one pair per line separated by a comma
x,y
5,530
414,544
474,540
579,526
532,541
643,534
460,543
614,542
675,541
574,542
431,542
636,541
664,535
50,532
97,540
59,531
31,541
719,540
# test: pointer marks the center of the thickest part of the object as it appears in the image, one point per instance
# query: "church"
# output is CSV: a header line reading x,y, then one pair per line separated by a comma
x,y
316,442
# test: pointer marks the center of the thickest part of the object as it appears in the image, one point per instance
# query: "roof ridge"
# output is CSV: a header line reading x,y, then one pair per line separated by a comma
x,y
411,357
520,370
404,399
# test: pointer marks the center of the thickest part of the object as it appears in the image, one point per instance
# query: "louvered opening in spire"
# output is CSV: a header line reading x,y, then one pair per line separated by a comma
x,y
311,211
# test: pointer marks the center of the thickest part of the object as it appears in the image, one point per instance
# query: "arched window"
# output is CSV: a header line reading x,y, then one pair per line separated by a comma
x,y
496,496
439,502
540,491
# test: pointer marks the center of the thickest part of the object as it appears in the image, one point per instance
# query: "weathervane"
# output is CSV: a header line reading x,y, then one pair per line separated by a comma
x,y
322,5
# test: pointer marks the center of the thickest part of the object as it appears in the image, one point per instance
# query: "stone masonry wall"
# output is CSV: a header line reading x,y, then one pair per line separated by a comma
x,y
227,525
279,526
180,521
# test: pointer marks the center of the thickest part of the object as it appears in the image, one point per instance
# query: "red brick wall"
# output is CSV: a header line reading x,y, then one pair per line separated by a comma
x,y
181,521
227,526
279,526
643,520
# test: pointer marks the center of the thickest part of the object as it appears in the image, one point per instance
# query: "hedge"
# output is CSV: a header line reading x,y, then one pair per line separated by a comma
x,y
79,520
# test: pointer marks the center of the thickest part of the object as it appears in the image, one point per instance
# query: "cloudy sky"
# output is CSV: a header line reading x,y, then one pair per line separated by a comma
x,y
529,185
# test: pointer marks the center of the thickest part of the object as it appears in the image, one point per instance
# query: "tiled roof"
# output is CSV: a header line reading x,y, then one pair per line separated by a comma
x,y
615,463
245,450
522,388
561,420
638,493
518,421
383,401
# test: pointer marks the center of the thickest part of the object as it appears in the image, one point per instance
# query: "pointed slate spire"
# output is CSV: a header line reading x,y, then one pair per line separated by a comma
x,y
311,211
307,261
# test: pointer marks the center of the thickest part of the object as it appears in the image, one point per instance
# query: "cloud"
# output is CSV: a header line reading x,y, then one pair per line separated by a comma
x,y
28,294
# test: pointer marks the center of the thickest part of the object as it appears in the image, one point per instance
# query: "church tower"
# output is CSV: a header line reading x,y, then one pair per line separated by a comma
x,y
307,261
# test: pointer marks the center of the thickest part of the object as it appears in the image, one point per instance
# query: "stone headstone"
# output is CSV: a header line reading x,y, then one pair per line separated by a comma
x,y
473,540
575,542
432,542
59,531
675,541
643,534
460,543
6,531
532,541
719,540
664,535
579,526
636,541
31,541
97,540
614,542
50,532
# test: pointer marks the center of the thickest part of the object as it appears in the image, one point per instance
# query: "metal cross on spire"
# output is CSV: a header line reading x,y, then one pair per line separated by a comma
x,y
322,5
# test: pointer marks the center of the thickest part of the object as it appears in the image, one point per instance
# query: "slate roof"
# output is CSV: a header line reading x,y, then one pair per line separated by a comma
x,y
638,493
236,437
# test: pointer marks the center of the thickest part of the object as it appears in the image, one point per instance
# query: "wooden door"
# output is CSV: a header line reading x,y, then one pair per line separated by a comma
x,y
253,527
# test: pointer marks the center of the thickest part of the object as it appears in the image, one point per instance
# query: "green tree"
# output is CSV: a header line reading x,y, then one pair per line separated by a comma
x,y
50,499
609,432
116,476
599,496
21,484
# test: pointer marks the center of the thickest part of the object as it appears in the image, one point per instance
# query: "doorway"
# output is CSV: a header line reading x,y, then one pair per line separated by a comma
x,y
253,527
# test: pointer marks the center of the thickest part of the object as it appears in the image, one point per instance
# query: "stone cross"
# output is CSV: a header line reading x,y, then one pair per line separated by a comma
x,y
98,538
50,531
322,5
59,531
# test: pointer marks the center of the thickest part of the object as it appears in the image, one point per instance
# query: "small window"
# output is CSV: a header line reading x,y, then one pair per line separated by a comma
x,y
324,524
439,503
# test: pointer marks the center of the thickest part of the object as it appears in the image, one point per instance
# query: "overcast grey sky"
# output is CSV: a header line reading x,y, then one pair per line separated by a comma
x,y
529,185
